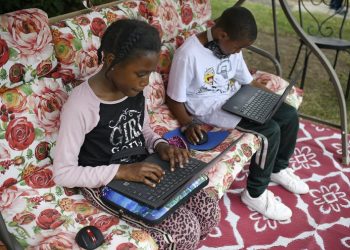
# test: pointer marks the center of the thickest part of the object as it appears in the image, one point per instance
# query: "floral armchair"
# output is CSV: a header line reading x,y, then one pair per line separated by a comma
x,y
40,63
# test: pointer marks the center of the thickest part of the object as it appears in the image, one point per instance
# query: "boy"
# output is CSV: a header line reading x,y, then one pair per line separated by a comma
x,y
206,71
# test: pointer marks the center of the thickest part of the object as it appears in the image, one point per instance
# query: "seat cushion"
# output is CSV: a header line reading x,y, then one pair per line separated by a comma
x,y
26,48
33,111
49,217
77,39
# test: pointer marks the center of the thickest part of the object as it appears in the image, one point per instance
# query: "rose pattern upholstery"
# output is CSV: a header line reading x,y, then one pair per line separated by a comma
x,y
26,47
38,213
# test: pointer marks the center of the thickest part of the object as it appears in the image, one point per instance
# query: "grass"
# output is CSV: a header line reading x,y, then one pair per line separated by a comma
x,y
319,95
263,14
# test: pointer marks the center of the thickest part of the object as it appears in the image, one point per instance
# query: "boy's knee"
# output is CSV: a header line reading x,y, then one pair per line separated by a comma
x,y
290,114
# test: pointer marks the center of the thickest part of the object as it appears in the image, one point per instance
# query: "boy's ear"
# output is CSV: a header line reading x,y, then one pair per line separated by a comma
x,y
222,35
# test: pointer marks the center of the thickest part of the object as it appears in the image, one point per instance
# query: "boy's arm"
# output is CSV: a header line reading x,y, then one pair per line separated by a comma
x,y
178,109
189,126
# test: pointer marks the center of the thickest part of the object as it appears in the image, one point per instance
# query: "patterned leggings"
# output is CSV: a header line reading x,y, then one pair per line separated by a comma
x,y
183,229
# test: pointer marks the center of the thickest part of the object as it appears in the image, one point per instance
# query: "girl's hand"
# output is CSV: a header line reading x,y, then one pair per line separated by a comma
x,y
176,156
145,172
193,133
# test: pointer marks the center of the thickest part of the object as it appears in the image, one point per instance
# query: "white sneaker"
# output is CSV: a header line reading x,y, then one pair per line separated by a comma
x,y
287,179
267,205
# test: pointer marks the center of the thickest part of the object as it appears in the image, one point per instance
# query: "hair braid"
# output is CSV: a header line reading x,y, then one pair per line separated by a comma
x,y
127,46
124,44
105,41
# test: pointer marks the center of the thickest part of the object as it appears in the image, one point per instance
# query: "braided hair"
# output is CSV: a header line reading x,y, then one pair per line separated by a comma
x,y
128,38
239,23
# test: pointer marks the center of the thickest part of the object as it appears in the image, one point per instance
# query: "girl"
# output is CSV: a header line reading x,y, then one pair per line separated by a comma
x,y
106,115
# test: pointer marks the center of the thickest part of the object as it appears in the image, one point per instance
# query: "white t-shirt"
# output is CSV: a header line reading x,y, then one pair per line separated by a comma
x,y
204,82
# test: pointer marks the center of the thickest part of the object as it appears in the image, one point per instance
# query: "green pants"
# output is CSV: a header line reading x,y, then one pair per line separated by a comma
x,y
279,136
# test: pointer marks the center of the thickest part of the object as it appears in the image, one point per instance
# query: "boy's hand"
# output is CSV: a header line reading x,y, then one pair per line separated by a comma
x,y
176,156
193,133
145,172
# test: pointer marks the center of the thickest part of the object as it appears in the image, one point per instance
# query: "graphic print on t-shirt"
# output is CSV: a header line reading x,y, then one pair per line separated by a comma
x,y
119,128
217,81
126,131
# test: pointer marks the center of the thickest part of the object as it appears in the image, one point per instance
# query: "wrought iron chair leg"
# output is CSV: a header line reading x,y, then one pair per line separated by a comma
x,y
296,60
347,87
306,61
335,59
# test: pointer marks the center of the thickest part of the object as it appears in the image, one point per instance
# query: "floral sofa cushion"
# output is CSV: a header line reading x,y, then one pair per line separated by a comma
x,y
31,128
48,217
172,17
77,39
193,13
155,91
26,48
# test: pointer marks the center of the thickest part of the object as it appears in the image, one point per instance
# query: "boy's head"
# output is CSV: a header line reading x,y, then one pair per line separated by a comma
x,y
237,28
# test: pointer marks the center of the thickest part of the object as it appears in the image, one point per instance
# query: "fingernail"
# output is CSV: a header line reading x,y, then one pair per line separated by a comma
x,y
172,170
153,185
181,166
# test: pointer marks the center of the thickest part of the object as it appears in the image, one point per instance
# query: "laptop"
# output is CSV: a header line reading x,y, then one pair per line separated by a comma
x,y
255,104
126,206
172,183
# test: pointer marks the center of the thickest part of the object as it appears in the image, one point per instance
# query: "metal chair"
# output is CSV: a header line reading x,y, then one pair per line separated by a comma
x,y
325,28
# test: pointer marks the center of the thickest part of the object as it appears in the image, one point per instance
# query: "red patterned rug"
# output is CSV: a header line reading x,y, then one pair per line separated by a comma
x,y
321,219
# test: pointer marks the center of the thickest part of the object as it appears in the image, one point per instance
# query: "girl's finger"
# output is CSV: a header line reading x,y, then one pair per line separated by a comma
x,y
153,177
185,155
148,182
155,169
179,158
171,158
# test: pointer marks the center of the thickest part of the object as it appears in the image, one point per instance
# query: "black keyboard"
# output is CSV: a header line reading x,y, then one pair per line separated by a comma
x,y
167,188
259,104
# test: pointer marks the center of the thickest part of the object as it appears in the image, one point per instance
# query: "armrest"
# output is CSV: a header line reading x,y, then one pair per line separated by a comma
x,y
268,56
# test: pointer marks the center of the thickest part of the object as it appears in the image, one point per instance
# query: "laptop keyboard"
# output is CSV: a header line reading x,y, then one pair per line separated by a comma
x,y
259,104
170,179
169,185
